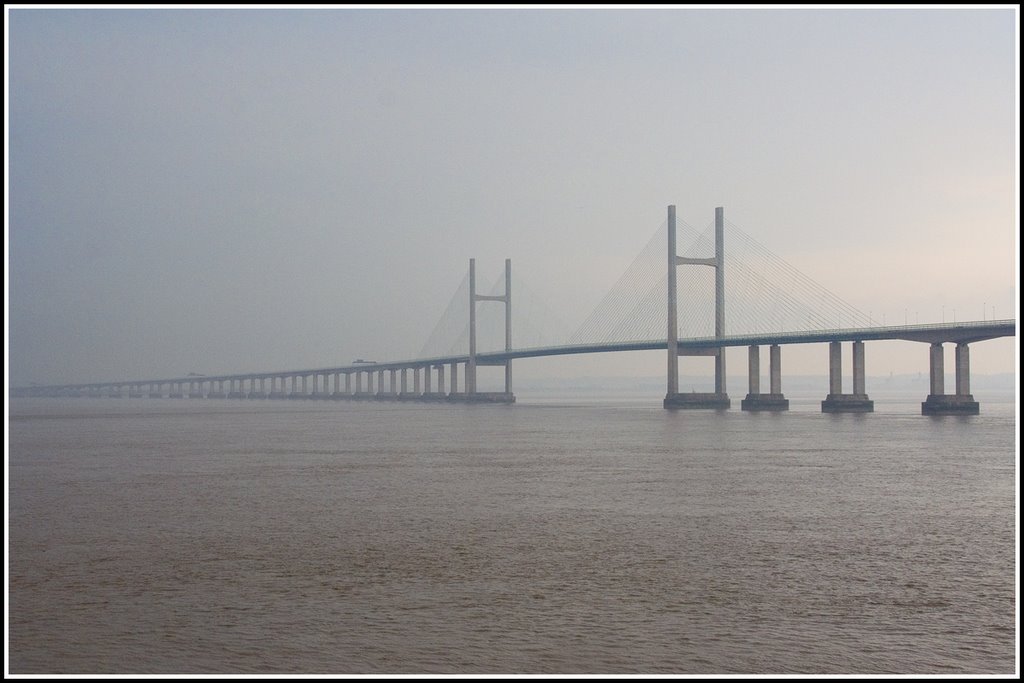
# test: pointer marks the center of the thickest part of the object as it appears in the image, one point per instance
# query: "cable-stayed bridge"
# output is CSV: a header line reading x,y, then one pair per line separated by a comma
x,y
734,292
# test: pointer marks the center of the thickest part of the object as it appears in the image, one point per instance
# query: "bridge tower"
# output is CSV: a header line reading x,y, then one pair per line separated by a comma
x,y
472,395
720,398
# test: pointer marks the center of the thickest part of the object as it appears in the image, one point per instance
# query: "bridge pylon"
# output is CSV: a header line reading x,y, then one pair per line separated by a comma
x,y
472,395
720,398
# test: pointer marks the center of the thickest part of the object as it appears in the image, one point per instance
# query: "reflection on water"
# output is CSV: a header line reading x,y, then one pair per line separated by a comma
x,y
553,536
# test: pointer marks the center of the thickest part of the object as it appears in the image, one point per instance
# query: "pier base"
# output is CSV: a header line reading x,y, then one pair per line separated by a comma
x,y
950,404
847,403
483,397
695,401
765,402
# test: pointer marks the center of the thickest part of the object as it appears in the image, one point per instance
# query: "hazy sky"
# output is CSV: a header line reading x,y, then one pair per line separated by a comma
x,y
221,190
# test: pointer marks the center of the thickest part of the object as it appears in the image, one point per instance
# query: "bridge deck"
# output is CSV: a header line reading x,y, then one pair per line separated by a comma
x,y
965,332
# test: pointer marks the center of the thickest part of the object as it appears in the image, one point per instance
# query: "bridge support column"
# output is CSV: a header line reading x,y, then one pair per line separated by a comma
x,y
216,389
403,393
255,392
837,401
719,400
471,394
426,382
471,363
453,393
960,403
755,400
439,394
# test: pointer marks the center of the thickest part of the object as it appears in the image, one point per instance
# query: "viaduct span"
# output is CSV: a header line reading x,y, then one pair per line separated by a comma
x,y
424,379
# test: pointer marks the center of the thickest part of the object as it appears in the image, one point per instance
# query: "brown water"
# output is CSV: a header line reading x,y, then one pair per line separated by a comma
x,y
611,536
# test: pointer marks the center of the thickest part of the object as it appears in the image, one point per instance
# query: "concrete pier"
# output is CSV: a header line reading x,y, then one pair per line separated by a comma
x,y
696,400
960,403
360,393
755,400
484,397
428,393
837,401
216,391
404,394
339,393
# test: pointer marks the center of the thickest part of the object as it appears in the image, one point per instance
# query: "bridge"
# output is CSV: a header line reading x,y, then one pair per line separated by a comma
x,y
769,296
